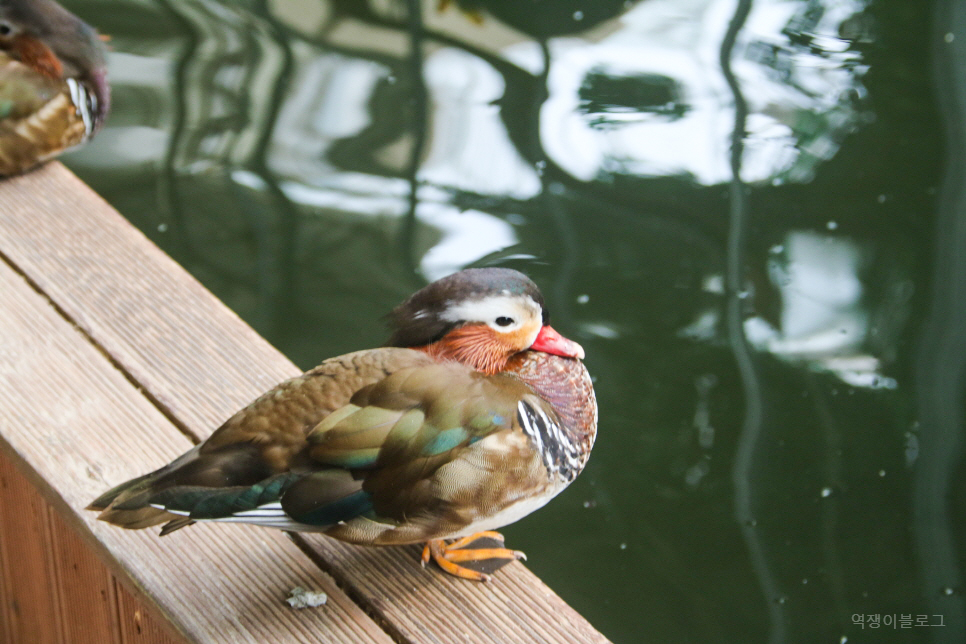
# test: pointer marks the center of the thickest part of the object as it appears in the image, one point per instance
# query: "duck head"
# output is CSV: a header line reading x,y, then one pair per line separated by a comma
x,y
480,317
51,40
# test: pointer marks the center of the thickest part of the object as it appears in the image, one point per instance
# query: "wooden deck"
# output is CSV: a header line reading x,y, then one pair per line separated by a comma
x,y
113,360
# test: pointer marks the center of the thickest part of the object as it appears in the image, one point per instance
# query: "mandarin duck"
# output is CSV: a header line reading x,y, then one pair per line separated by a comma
x,y
53,83
475,414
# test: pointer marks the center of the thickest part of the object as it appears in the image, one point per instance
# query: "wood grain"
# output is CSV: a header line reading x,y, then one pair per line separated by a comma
x,y
135,623
86,603
30,600
8,530
201,363
76,592
74,423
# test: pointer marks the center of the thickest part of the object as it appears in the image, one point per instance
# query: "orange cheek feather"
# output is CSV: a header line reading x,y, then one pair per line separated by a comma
x,y
478,346
38,56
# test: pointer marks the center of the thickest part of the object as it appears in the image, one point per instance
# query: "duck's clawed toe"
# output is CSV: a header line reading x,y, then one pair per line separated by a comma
x,y
475,557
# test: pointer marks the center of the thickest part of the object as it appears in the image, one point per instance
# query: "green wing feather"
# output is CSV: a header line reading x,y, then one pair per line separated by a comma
x,y
415,413
399,431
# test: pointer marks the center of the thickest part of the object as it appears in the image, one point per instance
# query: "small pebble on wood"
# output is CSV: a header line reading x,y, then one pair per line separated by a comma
x,y
298,597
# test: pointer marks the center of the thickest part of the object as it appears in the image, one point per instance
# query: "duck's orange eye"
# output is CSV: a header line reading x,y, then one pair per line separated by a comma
x,y
504,321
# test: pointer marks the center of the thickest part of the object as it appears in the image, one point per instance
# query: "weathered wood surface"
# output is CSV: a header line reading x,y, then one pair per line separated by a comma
x,y
198,363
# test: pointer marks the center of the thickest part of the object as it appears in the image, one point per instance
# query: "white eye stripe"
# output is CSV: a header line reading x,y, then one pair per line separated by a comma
x,y
519,309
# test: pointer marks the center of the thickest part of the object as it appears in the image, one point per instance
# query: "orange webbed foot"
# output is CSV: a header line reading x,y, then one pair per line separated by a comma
x,y
483,551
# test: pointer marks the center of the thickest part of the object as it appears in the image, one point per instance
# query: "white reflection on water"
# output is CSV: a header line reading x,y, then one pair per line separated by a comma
x,y
464,235
824,321
801,95
469,148
327,101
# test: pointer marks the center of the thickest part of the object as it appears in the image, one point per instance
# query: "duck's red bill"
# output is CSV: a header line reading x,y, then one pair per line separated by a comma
x,y
549,341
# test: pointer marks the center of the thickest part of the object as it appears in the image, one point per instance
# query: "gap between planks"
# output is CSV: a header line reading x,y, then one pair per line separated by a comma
x,y
172,418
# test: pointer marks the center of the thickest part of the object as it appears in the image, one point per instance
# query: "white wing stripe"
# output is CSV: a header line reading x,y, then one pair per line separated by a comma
x,y
181,513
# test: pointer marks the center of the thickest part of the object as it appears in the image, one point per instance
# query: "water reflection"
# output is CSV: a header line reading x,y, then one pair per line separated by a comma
x,y
643,99
825,319
740,247
649,98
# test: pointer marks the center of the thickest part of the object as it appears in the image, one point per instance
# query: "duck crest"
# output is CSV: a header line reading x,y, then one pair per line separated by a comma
x,y
565,442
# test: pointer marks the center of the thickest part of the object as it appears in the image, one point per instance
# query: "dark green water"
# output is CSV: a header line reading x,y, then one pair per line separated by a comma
x,y
765,260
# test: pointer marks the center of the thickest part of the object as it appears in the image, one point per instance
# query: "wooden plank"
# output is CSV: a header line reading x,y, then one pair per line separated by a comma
x,y
168,332
136,625
202,363
430,606
85,588
74,423
30,599
6,528
63,594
